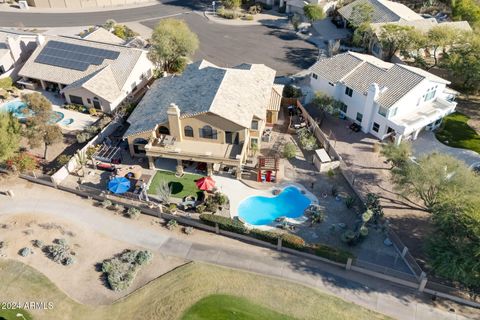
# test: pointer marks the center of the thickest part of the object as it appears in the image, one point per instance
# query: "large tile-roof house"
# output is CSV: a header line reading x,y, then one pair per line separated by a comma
x,y
390,12
95,74
15,48
387,100
208,114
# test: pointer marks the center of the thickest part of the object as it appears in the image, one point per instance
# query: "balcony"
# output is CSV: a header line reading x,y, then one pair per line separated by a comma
x,y
195,150
428,114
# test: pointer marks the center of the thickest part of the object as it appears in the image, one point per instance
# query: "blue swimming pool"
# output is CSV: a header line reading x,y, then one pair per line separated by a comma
x,y
259,210
20,110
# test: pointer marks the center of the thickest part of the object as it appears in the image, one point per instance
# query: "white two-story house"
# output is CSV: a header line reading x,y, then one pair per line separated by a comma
x,y
387,100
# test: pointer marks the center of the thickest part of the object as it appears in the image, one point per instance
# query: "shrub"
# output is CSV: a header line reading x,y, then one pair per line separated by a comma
x,y
293,241
172,224
211,205
6,83
292,92
25,252
92,111
330,173
220,198
330,253
289,150
133,213
38,243
200,208
143,257
248,17
59,252
264,235
334,191
106,204
179,65
69,260
172,208
83,137
224,223
122,269
63,160
188,230
22,162
349,201
348,237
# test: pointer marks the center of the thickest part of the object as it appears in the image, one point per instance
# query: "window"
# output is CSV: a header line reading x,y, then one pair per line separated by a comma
x,y
330,83
208,132
314,76
430,95
139,145
254,125
89,101
76,100
163,130
348,91
188,131
376,127
382,111
342,107
376,48
253,141
359,117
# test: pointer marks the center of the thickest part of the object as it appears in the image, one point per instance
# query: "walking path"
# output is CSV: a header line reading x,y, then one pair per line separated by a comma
x,y
395,301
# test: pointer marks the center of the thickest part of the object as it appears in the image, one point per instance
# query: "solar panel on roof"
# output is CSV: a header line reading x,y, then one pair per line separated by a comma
x,y
73,56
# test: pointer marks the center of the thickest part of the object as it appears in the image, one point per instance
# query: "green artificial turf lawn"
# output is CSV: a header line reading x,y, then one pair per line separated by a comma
x,y
455,132
11,314
181,187
220,307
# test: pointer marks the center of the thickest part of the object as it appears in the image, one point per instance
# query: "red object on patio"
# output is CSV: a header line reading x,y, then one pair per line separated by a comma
x,y
205,183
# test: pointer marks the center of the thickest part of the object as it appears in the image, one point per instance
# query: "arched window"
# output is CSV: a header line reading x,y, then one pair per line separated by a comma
x,y
139,145
208,132
163,130
188,131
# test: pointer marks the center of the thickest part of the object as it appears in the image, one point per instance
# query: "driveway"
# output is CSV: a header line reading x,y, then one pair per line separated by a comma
x,y
228,46
381,296
427,143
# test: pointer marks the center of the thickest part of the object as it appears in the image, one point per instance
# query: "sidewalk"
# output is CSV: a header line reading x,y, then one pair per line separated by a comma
x,y
384,297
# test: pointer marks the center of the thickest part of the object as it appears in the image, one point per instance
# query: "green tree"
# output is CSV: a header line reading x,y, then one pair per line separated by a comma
x,y
109,24
468,10
395,38
313,12
9,135
363,35
434,178
464,62
441,37
289,150
397,155
172,41
361,14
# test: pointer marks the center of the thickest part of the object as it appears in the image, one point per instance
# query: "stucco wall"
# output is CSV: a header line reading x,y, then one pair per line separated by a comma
x,y
76,4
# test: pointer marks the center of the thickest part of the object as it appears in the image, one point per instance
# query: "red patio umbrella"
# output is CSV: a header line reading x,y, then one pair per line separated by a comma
x,y
205,183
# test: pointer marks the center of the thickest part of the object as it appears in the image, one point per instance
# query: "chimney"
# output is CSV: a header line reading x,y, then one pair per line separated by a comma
x,y
174,123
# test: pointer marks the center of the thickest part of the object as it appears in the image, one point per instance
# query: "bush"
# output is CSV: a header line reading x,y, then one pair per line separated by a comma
x,y
133,213
106,204
83,137
6,83
211,205
200,208
172,224
349,202
122,269
25,252
288,240
330,253
38,243
179,65
69,260
22,162
220,198
224,223
289,150
334,191
92,111
293,241
248,17
172,208
63,160
292,92
188,230
264,235
59,252
143,257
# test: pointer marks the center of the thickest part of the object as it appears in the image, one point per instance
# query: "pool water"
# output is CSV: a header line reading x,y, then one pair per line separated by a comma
x,y
20,111
259,210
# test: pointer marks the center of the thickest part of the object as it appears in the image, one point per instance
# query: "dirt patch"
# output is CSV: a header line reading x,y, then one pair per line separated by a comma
x,y
82,281
471,107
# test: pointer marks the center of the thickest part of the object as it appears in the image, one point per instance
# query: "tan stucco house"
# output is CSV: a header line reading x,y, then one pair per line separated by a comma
x,y
208,114
90,73
15,48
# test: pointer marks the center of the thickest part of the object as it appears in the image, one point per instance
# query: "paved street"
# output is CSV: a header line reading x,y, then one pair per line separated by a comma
x,y
228,46
380,296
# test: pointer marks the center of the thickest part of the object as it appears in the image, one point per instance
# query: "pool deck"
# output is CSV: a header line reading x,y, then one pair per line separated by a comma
x,y
237,191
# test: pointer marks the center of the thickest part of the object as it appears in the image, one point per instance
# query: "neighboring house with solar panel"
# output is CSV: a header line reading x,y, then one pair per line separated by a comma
x,y
15,48
390,101
208,114
94,74
390,12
